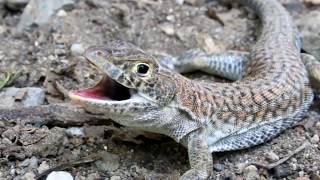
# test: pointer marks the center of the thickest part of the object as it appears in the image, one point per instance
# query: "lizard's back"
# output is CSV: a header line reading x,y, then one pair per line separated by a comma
x,y
273,94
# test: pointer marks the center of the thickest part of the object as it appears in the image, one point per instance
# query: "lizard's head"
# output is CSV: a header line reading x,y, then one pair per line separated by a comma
x,y
130,75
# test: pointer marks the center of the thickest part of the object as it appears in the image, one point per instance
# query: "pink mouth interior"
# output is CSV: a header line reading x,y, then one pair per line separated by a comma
x,y
106,89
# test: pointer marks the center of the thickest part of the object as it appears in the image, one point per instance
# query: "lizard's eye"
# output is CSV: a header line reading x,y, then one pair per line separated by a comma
x,y
142,69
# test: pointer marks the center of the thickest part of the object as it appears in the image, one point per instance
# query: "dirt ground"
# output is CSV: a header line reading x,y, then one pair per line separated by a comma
x,y
45,56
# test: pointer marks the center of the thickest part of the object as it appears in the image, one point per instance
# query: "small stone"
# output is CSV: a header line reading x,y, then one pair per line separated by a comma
x,y
318,125
109,162
39,12
25,163
12,172
170,18
28,176
33,163
251,173
75,131
16,5
61,175
218,167
62,13
13,97
167,28
195,2
272,157
115,178
206,43
180,2
281,171
93,176
43,167
77,49
315,139
301,173
303,178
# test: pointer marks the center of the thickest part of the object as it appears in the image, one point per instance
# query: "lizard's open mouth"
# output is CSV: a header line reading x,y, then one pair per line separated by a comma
x,y
105,89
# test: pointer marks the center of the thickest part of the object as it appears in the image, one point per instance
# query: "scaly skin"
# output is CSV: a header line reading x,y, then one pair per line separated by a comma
x,y
270,94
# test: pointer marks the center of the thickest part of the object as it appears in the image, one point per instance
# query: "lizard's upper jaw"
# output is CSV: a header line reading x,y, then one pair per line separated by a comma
x,y
106,90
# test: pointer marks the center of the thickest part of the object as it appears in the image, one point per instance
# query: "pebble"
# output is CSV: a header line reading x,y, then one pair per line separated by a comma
x,y
206,43
93,176
251,173
28,176
109,162
303,178
39,12
170,18
218,167
167,28
25,163
115,178
77,49
16,5
318,125
59,175
33,162
195,2
43,167
62,13
26,97
281,171
180,2
272,157
75,131
315,139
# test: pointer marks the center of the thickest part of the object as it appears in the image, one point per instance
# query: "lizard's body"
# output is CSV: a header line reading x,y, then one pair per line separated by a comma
x,y
270,93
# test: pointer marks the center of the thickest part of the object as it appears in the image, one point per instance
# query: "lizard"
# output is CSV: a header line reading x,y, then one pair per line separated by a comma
x,y
269,92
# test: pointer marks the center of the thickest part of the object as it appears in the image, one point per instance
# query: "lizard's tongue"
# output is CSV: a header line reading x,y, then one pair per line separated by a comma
x,y
105,89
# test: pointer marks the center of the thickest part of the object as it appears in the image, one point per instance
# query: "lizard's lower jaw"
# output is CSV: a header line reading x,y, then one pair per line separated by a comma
x,y
105,91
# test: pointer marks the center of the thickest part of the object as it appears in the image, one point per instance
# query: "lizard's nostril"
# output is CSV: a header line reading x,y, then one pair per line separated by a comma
x,y
99,53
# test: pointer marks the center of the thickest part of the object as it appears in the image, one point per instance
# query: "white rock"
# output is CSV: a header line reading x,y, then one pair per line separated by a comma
x,y
167,28
59,175
39,12
315,139
75,131
251,173
273,157
29,176
31,96
115,178
77,49
62,13
43,167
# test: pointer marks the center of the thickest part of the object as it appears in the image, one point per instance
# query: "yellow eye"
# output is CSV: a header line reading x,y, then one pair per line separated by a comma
x,y
142,69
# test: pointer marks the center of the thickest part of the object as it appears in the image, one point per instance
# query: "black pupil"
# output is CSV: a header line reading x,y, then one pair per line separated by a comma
x,y
143,69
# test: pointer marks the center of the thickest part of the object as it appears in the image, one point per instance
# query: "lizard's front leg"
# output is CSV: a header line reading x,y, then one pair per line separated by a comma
x,y
230,65
200,157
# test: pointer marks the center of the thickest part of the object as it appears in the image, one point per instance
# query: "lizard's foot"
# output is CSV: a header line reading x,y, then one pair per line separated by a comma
x,y
195,174
187,62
